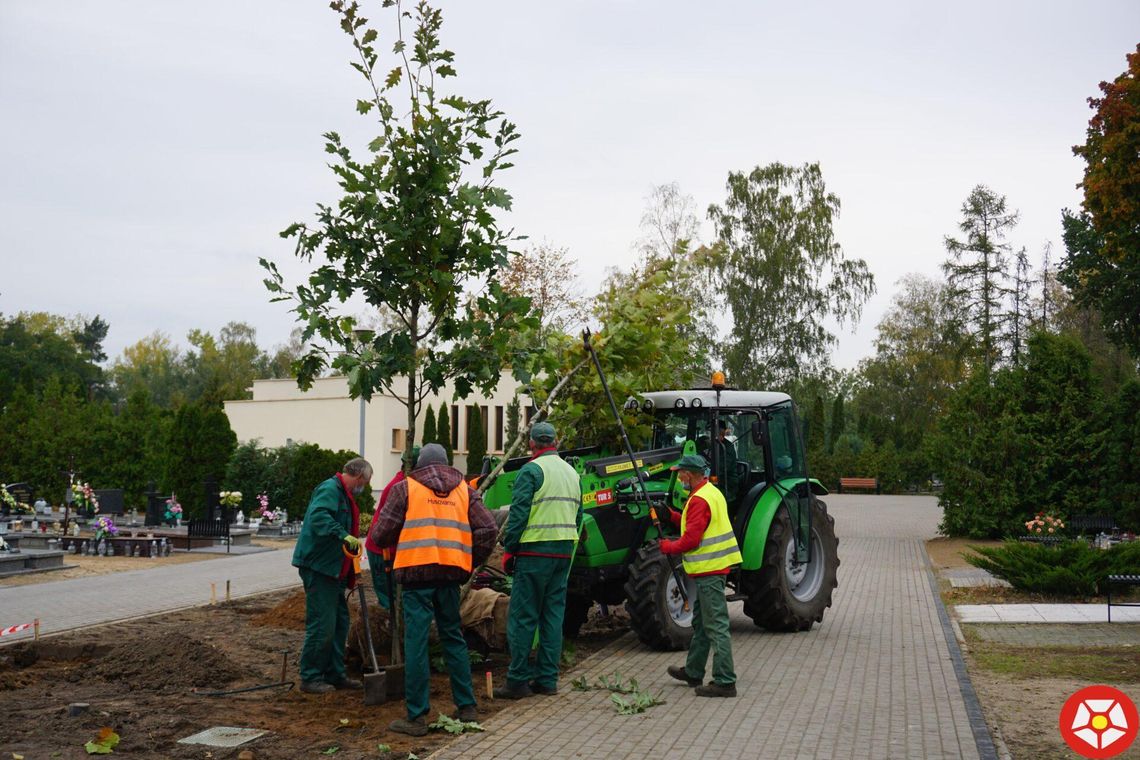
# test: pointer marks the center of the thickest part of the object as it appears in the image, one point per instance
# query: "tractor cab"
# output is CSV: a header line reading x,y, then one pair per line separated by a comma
x,y
750,440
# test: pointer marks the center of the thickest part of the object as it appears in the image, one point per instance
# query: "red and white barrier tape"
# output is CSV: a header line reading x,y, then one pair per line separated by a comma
x,y
17,628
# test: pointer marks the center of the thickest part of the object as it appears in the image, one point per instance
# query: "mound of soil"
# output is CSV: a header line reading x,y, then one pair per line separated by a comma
x,y
168,662
289,613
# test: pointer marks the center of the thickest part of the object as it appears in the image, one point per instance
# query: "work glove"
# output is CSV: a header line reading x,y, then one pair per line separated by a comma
x,y
352,542
508,563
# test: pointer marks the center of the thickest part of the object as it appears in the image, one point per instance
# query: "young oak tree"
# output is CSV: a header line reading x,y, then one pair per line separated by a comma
x,y
784,274
414,233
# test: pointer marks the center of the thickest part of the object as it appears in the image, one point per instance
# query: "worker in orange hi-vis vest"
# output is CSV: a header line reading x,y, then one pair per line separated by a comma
x,y
441,531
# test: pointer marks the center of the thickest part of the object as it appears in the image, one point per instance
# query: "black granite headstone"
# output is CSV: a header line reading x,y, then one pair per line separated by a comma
x,y
110,500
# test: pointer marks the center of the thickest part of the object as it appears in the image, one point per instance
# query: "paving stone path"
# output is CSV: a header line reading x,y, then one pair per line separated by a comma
x,y
876,680
94,600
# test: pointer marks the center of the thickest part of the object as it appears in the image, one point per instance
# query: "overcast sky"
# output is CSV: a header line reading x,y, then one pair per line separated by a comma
x,y
150,152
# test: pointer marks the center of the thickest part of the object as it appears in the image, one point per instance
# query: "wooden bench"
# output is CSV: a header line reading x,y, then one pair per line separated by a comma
x,y
212,529
1120,580
866,484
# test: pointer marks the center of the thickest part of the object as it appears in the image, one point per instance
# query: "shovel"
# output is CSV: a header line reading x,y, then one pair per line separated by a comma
x,y
375,683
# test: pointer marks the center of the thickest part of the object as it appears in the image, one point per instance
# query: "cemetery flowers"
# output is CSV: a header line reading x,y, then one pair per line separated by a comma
x,y
105,528
271,515
85,497
230,498
173,509
1045,523
7,498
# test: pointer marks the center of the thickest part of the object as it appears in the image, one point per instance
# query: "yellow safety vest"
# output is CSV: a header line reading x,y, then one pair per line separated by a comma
x,y
717,549
554,508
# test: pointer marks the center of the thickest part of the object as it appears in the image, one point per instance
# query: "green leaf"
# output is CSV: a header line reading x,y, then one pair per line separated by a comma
x,y
383,748
393,78
369,37
97,749
364,106
331,750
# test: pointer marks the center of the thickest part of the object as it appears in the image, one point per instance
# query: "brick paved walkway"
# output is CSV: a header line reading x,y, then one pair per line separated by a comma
x,y
81,602
875,680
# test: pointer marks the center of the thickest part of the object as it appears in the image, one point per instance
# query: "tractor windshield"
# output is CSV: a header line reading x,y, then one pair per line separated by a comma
x,y
787,453
740,460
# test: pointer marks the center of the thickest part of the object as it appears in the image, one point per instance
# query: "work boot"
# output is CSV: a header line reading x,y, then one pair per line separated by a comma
x,y
413,727
713,689
679,672
316,687
348,684
466,714
513,692
545,691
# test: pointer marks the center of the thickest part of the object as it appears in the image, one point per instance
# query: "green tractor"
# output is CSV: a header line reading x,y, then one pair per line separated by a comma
x,y
752,440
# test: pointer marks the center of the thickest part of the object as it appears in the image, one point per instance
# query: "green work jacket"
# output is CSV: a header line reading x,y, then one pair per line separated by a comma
x,y
327,521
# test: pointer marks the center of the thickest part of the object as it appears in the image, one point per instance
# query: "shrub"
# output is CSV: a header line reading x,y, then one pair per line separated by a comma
x,y
1072,568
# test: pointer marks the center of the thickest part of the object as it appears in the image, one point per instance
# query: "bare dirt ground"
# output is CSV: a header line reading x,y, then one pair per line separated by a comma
x,y
1022,687
144,679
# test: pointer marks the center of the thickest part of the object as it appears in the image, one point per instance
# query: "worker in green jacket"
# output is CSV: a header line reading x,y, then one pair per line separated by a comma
x,y
332,521
539,540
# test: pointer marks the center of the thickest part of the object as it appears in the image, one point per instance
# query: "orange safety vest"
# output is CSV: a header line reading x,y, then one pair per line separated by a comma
x,y
436,530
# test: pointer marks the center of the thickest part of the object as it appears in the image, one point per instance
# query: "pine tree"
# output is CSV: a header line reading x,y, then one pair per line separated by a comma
x,y
976,269
1019,318
429,426
443,431
476,441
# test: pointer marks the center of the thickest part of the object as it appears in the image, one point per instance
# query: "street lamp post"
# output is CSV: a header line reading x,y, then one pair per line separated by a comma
x,y
361,449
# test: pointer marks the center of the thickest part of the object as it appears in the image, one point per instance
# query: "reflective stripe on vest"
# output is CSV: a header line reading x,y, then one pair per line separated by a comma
x,y
717,549
436,531
554,508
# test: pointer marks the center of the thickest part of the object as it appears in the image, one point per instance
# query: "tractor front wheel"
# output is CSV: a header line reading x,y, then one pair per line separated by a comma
x,y
657,612
785,595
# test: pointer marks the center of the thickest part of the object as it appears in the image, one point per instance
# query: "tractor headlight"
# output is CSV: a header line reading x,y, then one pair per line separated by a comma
x,y
647,405
679,403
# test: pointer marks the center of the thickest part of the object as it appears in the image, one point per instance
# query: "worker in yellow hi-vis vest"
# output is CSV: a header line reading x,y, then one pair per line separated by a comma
x,y
539,540
708,550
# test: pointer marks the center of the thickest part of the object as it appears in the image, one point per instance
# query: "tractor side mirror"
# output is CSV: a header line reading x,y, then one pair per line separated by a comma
x,y
757,433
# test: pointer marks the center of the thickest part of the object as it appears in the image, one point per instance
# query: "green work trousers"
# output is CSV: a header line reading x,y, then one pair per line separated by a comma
x,y
538,602
420,605
710,631
377,567
326,627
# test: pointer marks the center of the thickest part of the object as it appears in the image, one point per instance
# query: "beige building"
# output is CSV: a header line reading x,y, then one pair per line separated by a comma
x,y
326,415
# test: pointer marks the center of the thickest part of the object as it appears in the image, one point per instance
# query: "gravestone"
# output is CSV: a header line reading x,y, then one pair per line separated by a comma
x,y
110,500
22,492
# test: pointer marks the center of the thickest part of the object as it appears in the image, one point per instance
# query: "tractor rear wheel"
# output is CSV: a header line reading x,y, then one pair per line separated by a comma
x,y
784,595
657,612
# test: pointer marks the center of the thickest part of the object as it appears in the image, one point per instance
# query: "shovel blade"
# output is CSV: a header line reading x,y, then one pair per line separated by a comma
x,y
394,678
375,688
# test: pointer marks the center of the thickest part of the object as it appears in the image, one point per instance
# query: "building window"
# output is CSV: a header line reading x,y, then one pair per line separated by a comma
x,y
455,427
498,428
399,439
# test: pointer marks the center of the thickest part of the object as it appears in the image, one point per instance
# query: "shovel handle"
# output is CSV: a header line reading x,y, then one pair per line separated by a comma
x,y
354,556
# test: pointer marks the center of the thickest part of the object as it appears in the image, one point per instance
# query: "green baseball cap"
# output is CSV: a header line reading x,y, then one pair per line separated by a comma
x,y
542,432
691,462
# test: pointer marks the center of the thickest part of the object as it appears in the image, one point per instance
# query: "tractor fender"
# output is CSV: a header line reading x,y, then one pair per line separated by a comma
x,y
751,526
